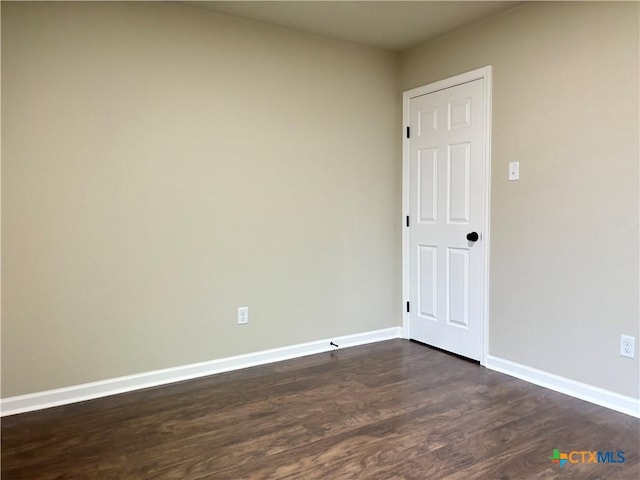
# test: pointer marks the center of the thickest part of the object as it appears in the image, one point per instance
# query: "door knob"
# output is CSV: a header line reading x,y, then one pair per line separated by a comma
x,y
473,236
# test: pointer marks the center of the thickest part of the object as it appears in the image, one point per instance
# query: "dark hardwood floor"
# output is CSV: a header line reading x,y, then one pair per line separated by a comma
x,y
391,410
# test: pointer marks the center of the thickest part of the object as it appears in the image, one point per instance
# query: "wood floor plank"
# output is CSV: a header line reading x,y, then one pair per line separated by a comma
x,y
391,410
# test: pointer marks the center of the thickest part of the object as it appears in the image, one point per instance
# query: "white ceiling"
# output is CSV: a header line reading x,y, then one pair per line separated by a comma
x,y
393,25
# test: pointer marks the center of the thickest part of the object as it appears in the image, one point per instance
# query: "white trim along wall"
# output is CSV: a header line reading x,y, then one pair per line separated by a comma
x,y
583,391
112,386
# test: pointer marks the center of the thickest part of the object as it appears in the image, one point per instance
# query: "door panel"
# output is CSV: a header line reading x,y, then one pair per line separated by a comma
x,y
428,186
446,195
458,182
458,286
427,278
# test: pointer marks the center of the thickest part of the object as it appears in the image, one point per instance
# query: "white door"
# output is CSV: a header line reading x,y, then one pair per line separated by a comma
x,y
446,212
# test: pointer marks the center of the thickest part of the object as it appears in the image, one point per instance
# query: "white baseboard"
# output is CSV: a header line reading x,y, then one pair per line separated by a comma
x,y
583,391
112,386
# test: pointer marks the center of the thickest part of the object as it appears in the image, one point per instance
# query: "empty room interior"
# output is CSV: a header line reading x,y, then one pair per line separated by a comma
x,y
320,240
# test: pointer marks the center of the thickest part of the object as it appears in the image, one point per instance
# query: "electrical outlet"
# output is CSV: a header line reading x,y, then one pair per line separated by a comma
x,y
627,346
243,315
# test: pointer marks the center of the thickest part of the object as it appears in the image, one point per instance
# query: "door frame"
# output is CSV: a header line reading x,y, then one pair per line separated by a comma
x,y
479,73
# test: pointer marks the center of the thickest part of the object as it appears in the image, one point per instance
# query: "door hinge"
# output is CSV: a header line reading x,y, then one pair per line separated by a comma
x,y
408,131
408,307
407,220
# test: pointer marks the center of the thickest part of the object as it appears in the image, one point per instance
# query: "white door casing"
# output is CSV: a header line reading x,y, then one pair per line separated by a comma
x,y
446,197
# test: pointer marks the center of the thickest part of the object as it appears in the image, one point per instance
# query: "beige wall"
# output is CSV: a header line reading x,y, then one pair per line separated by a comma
x,y
564,252
164,165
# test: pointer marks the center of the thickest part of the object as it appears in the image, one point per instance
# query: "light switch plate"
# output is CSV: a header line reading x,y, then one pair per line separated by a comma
x,y
514,171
